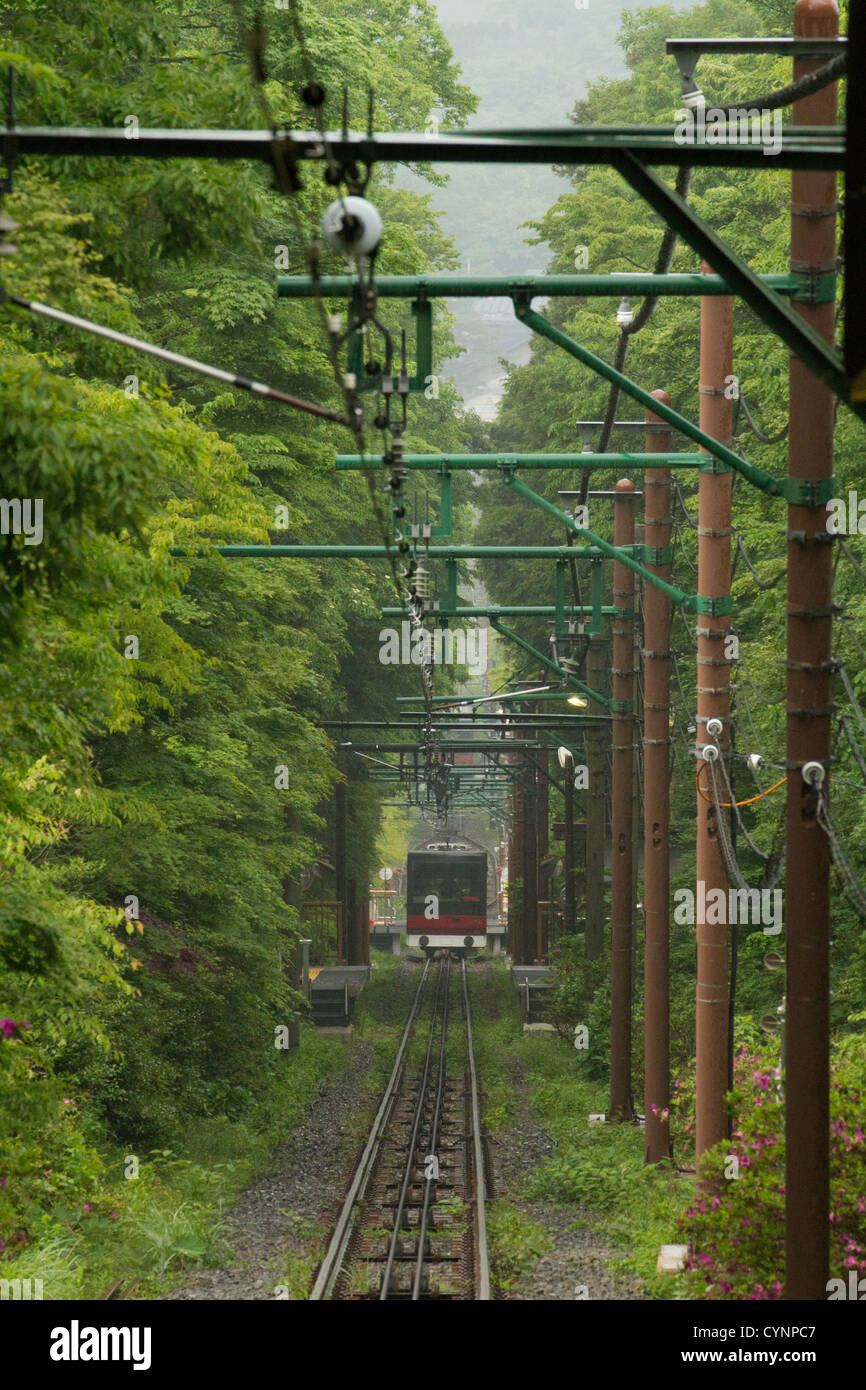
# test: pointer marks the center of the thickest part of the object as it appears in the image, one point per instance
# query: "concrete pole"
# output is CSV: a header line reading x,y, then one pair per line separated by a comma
x,y
714,702
656,859
810,595
622,900
597,740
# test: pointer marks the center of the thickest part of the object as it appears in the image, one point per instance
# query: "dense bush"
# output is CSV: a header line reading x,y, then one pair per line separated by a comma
x,y
736,1229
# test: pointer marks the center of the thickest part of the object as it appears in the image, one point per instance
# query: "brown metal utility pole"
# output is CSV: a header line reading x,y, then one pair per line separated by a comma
x,y
543,828
290,950
530,864
622,900
568,775
597,739
351,949
515,867
714,702
341,873
810,596
656,859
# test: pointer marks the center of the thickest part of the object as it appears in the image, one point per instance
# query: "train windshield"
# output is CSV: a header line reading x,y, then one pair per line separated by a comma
x,y
459,886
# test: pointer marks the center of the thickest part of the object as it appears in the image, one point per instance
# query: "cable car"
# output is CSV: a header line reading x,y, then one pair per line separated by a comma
x,y
446,898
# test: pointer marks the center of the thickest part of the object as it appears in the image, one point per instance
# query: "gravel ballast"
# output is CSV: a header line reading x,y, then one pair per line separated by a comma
x,y
286,1214
574,1268
278,1229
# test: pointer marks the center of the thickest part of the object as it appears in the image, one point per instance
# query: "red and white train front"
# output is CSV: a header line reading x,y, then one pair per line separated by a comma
x,y
446,899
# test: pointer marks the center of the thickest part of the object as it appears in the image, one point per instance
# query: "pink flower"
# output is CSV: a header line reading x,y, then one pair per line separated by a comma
x,y
87,1206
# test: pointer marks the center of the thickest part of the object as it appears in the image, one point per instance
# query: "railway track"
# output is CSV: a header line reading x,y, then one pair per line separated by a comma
x,y
413,1222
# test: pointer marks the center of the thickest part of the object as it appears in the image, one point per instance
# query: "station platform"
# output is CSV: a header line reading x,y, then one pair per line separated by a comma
x,y
534,984
354,977
385,936
333,990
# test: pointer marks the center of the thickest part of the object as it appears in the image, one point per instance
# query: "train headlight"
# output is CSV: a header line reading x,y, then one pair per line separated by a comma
x,y
423,941
468,941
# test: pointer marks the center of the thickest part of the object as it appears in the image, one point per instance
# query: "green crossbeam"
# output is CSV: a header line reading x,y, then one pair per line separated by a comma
x,y
373,552
691,603
613,286
497,610
796,490
546,661
479,463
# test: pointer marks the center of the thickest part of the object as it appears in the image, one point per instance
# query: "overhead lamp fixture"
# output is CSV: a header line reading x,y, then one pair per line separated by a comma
x,y
578,701
687,60
564,755
624,314
693,97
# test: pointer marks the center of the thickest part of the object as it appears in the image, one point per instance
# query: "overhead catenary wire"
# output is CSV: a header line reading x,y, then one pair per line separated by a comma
x,y
663,262
848,629
723,829
852,886
176,359
840,541
756,429
795,91
849,734
761,583
747,801
254,41
852,695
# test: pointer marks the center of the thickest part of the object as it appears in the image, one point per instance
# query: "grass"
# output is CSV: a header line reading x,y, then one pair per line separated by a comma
x,y
597,1166
146,1232
514,1243
155,1218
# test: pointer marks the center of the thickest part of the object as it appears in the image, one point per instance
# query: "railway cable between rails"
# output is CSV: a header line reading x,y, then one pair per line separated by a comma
x,y
412,1225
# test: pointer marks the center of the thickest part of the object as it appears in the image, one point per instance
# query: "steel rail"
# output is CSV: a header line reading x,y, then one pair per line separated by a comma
x,y
444,975
429,1182
335,1254
481,1258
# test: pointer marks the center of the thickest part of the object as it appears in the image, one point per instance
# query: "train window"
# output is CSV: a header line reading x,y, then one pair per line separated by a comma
x,y
459,887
